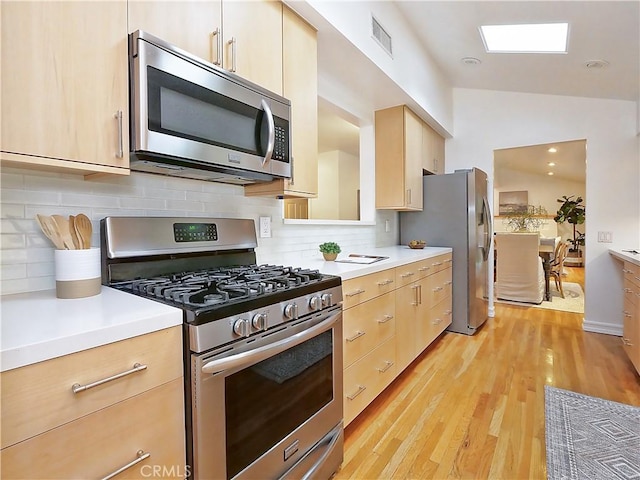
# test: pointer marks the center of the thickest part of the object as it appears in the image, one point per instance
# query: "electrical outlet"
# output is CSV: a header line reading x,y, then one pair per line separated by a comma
x,y
605,237
265,227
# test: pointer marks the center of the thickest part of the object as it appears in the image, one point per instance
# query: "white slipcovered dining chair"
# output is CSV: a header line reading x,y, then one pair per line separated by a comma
x,y
520,274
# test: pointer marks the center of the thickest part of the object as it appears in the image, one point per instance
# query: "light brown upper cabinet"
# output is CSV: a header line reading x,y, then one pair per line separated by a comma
x,y
244,37
432,150
64,86
398,142
300,85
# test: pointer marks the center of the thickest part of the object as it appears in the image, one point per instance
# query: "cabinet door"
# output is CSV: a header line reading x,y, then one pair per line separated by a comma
x,y
413,160
300,84
64,80
407,301
253,31
438,146
187,25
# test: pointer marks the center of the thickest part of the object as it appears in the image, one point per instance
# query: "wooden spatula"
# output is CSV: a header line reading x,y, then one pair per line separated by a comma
x,y
64,232
50,229
84,229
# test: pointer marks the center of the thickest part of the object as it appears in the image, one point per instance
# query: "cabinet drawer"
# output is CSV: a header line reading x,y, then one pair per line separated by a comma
x,y
631,273
411,272
366,378
439,318
366,325
441,262
102,442
360,289
631,292
438,287
38,397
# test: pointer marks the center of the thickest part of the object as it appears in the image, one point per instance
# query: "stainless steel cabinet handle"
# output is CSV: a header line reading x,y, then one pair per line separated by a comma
x,y
385,282
448,282
215,35
385,318
436,264
120,152
437,321
627,342
407,275
448,260
624,270
409,196
361,388
628,290
356,336
354,293
387,366
233,44
140,457
627,314
415,295
419,294
77,388
424,269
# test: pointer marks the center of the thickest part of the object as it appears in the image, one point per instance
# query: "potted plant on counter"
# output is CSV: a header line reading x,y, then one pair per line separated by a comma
x,y
330,250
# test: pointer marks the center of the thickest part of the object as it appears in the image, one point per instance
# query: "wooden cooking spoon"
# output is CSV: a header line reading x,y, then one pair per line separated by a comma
x,y
84,229
74,235
50,229
64,232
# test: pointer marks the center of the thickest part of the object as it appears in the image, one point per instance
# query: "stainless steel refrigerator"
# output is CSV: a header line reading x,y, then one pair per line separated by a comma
x,y
456,214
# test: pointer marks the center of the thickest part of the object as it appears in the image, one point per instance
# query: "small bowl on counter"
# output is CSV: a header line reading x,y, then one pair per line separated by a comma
x,y
417,244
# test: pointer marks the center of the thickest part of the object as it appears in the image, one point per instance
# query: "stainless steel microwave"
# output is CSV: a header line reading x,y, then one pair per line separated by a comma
x,y
192,119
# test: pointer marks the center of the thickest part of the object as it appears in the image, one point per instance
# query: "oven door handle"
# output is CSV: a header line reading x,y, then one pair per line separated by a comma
x,y
262,353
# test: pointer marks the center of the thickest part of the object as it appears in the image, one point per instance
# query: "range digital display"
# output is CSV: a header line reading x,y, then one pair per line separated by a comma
x,y
195,232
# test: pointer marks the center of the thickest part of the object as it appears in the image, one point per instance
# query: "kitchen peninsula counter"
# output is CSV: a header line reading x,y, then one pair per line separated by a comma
x,y
37,326
625,255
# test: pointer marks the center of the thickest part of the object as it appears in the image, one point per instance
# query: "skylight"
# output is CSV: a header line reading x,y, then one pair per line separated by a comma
x,y
529,38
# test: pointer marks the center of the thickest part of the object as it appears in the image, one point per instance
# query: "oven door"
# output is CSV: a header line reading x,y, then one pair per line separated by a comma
x,y
266,406
183,107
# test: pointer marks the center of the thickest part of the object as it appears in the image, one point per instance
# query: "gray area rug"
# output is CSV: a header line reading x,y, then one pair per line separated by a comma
x,y
590,438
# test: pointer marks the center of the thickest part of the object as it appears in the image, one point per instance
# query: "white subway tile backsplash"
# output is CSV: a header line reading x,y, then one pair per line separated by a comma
x,y
27,255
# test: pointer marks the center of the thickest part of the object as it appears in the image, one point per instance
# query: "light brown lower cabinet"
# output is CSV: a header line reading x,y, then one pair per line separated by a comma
x,y
148,427
389,318
114,408
631,312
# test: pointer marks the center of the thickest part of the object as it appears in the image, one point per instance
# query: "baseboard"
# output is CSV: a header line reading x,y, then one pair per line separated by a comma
x,y
601,327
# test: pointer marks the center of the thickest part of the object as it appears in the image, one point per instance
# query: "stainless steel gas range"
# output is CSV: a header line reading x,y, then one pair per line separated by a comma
x,y
262,344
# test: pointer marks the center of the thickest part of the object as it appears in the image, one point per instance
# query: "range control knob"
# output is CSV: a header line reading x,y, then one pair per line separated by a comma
x,y
315,303
259,321
291,311
327,299
241,327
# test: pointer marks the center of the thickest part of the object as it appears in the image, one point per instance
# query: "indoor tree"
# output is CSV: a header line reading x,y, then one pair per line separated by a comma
x,y
573,211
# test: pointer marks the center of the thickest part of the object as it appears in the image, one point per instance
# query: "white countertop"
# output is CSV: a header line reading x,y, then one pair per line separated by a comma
x,y
398,255
37,326
625,255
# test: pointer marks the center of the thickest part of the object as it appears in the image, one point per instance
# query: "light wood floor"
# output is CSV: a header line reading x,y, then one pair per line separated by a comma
x,y
473,407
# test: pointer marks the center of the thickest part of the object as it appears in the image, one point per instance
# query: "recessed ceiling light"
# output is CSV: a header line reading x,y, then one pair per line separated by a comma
x,y
526,38
549,173
471,61
552,150
551,164
596,64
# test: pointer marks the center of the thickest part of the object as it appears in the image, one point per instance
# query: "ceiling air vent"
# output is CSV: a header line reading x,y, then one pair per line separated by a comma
x,y
381,35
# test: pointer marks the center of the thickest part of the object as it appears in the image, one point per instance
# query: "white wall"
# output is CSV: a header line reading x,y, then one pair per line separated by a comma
x,y
487,120
338,185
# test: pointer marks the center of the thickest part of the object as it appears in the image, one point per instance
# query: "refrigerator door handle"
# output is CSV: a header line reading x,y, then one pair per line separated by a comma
x,y
488,231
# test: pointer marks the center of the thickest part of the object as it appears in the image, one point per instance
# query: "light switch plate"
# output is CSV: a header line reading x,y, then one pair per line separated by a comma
x,y
265,227
605,237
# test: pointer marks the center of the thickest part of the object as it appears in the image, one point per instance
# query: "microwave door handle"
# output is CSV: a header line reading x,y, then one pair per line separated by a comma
x,y
272,132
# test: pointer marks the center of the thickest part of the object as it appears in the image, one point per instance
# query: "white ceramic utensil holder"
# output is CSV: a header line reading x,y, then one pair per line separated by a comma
x,y
78,273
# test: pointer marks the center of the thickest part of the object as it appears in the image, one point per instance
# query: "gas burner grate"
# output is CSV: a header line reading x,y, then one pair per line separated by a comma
x,y
223,285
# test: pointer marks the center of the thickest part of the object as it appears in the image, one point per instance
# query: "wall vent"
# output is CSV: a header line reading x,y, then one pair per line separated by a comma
x,y
381,35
